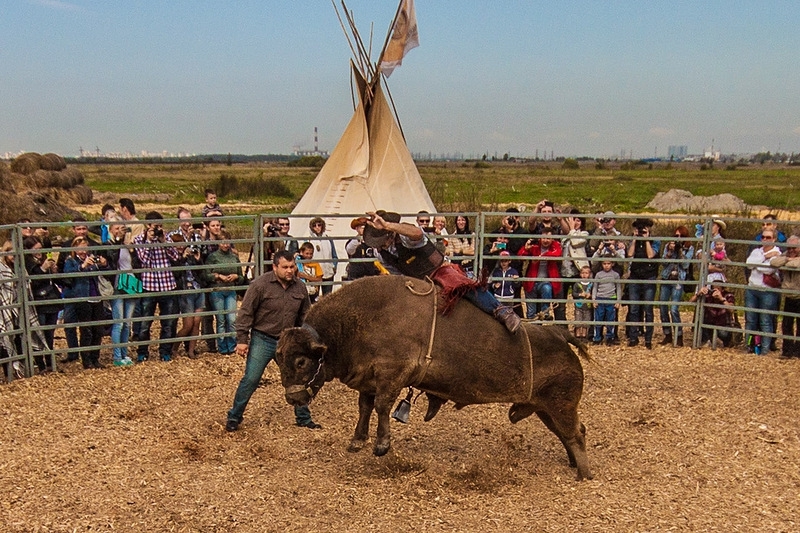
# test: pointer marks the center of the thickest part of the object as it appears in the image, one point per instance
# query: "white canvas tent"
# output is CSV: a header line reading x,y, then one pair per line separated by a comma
x,y
369,169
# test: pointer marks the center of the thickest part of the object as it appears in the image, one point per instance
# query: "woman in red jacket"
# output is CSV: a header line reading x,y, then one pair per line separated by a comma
x,y
542,273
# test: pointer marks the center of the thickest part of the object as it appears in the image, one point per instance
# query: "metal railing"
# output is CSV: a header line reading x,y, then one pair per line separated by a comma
x,y
19,331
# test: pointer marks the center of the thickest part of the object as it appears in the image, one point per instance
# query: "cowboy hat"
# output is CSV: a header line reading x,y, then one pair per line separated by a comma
x,y
377,237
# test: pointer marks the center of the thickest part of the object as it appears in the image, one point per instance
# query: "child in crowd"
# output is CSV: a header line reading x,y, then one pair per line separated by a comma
x,y
605,295
308,270
505,288
716,272
211,204
582,297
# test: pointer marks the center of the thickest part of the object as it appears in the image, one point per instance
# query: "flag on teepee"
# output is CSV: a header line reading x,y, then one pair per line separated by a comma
x,y
404,38
371,166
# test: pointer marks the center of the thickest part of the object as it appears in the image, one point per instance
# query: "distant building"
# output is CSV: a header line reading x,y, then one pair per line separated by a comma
x,y
677,152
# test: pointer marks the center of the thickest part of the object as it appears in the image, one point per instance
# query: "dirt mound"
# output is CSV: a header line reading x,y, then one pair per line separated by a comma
x,y
40,187
678,200
690,440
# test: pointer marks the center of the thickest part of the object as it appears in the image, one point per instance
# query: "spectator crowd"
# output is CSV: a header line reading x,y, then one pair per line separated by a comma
x,y
117,276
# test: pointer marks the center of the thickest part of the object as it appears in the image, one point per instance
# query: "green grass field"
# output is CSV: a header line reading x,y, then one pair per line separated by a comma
x,y
466,186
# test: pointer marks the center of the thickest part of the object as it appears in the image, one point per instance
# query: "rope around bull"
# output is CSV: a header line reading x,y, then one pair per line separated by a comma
x,y
427,359
424,365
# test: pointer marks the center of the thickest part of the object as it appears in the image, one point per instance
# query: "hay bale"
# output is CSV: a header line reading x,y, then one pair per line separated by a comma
x,y
45,178
51,161
27,164
5,181
82,194
71,177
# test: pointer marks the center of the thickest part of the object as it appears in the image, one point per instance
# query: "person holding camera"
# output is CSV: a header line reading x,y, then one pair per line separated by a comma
x,y
605,232
79,229
491,252
90,306
189,241
720,313
543,273
674,272
643,272
43,289
157,257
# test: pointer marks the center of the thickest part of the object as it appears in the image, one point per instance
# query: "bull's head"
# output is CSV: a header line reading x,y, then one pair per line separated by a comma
x,y
300,355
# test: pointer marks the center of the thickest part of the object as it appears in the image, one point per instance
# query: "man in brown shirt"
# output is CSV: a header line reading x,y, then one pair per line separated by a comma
x,y
273,302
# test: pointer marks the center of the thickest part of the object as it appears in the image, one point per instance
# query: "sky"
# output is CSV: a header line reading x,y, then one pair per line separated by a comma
x,y
572,78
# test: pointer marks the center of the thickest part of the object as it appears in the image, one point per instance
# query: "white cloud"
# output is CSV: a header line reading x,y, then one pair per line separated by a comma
x,y
660,132
498,136
56,4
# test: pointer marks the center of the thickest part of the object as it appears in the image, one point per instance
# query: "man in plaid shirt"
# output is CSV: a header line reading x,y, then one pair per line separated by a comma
x,y
157,282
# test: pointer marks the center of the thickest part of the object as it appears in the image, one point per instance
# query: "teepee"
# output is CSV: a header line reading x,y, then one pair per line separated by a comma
x,y
371,167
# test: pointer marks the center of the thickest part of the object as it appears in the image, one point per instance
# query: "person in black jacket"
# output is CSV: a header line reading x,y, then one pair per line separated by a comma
x,y
43,289
643,274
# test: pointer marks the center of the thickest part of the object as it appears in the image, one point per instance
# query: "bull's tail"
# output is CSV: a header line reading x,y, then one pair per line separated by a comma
x,y
583,351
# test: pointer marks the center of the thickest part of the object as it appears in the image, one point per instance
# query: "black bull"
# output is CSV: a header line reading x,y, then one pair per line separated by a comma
x,y
381,334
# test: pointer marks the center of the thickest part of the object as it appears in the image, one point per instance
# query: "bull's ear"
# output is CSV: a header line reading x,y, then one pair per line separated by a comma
x,y
318,350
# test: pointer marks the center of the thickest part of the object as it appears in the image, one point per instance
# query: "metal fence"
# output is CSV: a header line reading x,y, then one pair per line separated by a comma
x,y
19,329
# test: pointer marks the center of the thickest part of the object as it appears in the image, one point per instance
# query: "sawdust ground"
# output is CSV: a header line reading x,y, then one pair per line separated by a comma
x,y
678,439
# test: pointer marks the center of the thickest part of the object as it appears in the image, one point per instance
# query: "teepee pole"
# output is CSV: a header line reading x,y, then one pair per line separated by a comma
x,y
394,109
360,43
347,36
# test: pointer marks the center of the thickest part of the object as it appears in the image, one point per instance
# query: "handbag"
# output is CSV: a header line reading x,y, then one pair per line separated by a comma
x,y
772,281
51,293
104,287
129,284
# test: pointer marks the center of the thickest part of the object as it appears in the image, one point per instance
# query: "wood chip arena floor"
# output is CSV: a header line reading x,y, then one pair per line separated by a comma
x,y
678,440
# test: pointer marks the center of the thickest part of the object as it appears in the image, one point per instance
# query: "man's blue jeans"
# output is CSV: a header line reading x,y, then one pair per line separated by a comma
x,y
167,305
541,290
641,292
224,303
261,351
755,321
670,315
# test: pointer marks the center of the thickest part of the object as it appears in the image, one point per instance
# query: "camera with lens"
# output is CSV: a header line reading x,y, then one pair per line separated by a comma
x,y
158,233
194,249
642,225
272,230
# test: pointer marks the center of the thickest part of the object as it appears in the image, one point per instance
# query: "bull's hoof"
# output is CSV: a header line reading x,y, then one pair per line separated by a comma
x,y
434,404
520,411
381,449
581,477
356,445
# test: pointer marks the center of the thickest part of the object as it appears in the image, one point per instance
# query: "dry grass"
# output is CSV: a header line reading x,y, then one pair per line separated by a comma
x,y
679,439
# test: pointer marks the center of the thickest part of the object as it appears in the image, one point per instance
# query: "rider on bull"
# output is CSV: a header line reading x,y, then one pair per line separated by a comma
x,y
404,248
